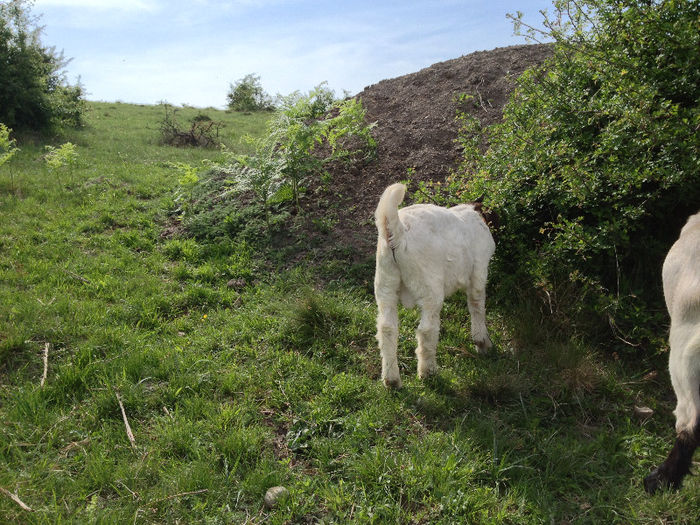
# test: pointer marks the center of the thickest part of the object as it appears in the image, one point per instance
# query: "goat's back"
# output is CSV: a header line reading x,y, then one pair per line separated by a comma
x,y
681,274
443,245
435,226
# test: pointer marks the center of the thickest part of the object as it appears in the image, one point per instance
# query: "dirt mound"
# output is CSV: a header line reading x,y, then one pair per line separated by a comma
x,y
416,128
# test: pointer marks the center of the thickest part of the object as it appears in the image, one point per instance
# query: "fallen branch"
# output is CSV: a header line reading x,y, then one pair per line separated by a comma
x,y
74,444
181,494
14,498
79,277
46,364
481,100
129,433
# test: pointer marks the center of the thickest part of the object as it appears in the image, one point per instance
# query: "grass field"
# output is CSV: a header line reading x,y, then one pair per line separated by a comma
x,y
230,390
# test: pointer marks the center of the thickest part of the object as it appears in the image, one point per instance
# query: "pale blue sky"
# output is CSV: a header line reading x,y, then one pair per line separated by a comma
x,y
188,52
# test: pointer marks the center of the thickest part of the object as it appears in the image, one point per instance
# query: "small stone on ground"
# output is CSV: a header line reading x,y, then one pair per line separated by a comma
x,y
274,495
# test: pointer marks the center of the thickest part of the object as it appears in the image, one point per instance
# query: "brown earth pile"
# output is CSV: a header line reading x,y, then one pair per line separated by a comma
x,y
416,128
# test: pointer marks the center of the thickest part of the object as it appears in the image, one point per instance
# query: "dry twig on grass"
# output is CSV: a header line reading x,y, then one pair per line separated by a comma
x,y
46,364
129,433
16,499
78,277
179,495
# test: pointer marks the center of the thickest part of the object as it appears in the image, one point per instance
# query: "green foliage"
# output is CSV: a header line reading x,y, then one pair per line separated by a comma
x,y
304,136
298,128
7,148
303,123
33,92
68,105
348,135
247,94
7,144
62,158
188,179
260,173
596,166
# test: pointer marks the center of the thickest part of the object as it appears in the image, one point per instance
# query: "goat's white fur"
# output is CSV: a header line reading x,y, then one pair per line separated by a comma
x,y
681,278
424,254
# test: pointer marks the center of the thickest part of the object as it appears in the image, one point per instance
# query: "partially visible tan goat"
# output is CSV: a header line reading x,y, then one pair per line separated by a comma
x,y
424,254
681,279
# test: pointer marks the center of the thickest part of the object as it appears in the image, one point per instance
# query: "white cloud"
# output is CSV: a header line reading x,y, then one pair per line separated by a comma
x,y
198,70
102,5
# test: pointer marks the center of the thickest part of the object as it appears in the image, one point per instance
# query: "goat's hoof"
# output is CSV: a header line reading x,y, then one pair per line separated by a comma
x,y
483,347
654,481
394,383
425,371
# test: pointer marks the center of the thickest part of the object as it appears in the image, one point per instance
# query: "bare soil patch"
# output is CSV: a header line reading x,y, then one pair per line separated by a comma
x,y
416,129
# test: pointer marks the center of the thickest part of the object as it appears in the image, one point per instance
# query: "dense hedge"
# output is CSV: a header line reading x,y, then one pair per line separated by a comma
x,y
596,164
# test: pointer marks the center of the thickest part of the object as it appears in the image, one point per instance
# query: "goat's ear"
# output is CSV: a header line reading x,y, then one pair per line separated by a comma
x,y
480,199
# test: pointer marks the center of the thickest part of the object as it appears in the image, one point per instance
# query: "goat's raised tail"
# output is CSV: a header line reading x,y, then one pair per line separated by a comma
x,y
387,215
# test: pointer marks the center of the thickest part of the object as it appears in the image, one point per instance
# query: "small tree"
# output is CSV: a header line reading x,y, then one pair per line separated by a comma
x,y
7,150
34,94
304,122
247,94
306,133
62,158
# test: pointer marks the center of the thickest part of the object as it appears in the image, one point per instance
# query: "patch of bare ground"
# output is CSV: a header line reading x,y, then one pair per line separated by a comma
x,y
416,129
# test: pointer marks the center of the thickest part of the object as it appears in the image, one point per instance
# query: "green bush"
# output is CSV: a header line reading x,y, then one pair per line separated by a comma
x,y
304,123
247,94
245,196
595,166
8,149
33,92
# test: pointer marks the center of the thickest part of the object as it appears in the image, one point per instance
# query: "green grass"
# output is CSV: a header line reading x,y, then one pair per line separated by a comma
x,y
274,381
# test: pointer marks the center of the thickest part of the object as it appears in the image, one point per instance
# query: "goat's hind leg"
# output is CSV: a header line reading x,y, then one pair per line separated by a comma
x,y
388,329
477,310
427,335
685,375
677,465
388,338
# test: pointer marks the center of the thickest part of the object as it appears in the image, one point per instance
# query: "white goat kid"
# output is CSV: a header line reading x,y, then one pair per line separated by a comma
x,y
681,279
424,254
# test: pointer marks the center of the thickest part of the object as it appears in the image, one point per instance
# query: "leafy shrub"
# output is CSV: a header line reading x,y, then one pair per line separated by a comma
x,y
303,123
69,106
260,173
595,166
62,158
7,147
247,94
245,196
33,92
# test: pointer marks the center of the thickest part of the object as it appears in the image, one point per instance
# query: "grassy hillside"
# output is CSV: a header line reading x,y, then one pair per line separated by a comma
x,y
235,378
